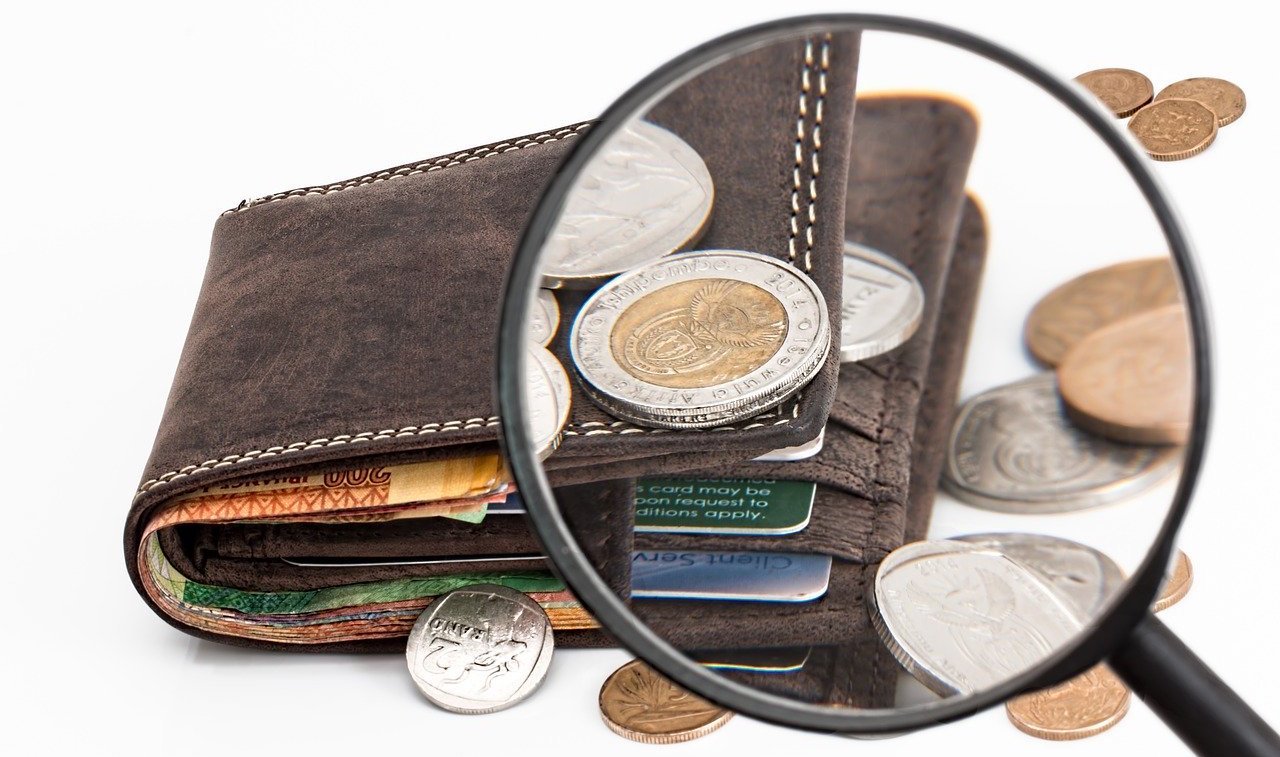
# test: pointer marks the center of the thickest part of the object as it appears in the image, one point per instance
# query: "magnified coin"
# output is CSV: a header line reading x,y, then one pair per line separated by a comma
x,y
1174,128
547,396
645,195
1225,99
1087,303
1085,706
1082,574
962,619
1131,381
881,304
700,339
1122,90
1176,584
1012,449
544,318
480,649
638,703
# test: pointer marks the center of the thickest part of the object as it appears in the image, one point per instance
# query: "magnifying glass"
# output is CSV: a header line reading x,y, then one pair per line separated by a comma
x,y
854,374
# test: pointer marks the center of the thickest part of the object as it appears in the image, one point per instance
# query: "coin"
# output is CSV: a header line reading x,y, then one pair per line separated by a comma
x,y
1123,91
644,195
1085,706
1087,303
1176,584
1225,99
544,318
547,399
638,703
1174,128
1012,449
1132,381
480,649
962,619
1082,574
700,339
881,306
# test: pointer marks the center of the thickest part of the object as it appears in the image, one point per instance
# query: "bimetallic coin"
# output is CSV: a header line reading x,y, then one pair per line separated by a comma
x,y
1174,128
1176,584
881,306
646,194
544,318
1012,449
480,649
1225,99
1132,381
1122,90
1085,706
1087,303
1083,575
962,619
700,339
638,703
547,399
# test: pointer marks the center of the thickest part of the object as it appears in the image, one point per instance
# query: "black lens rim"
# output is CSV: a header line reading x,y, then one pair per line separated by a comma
x,y
1111,628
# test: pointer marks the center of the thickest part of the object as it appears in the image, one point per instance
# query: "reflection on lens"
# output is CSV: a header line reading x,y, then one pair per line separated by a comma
x,y
788,320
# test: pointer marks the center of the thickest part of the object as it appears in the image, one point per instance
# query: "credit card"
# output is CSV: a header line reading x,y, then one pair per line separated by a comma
x,y
779,660
746,507
733,576
798,452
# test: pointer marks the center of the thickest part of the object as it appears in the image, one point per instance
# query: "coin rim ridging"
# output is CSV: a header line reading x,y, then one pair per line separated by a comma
x,y
697,169
1182,154
709,413
537,674
1164,464
658,738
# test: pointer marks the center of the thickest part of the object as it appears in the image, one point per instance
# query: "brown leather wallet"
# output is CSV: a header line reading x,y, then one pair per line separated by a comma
x,y
352,325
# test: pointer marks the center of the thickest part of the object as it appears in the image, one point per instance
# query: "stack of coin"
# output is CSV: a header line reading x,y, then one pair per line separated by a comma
x,y
1105,424
1178,122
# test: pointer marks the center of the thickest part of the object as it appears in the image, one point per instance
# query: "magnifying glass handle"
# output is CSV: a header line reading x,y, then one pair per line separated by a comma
x,y
1189,697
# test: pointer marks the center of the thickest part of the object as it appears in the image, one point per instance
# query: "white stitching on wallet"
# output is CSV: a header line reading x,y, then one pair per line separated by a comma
x,y
364,436
426,166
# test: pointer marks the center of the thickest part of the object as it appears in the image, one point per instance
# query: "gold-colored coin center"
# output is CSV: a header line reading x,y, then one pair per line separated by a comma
x,y
700,333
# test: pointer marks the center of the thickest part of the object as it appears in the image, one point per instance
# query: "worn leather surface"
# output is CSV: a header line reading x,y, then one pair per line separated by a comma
x,y
354,324
878,469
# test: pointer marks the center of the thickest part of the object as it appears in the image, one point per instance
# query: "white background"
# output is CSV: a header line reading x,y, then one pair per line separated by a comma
x,y
129,128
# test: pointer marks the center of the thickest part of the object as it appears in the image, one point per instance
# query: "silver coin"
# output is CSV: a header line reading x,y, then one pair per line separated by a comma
x,y
480,649
1012,449
798,452
882,304
644,195
700,339
962,619
547,399
1082,574
544,318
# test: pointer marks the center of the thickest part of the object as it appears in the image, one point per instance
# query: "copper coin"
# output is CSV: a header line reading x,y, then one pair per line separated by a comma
x,y
638,703
1174,128
1085,706
1131,381
1176,584
1123,91
1225,99
1087,303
